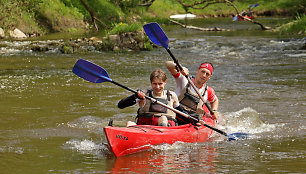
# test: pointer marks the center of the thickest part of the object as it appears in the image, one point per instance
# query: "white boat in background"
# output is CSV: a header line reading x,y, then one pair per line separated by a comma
x,y
183,16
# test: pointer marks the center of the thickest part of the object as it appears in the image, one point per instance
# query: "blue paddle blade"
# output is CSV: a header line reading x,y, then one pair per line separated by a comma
x,y
251,6
235,18
156,34
256,5
236,136
90,72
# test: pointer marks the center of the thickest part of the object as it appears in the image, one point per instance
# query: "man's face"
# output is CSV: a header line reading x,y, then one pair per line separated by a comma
x,y
202,75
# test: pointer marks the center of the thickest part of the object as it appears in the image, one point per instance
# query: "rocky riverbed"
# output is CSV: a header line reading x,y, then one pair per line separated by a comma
x,y
130,41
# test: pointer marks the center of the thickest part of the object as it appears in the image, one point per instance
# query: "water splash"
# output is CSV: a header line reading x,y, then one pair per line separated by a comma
x,y
87,147
11,149
93,124
175,146
246,120
10,48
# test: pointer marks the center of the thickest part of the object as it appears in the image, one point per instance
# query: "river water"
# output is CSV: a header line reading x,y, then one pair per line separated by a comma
x,y
52,121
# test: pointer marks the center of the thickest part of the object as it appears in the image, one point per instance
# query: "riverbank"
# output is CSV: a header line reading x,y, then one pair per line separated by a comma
x,y
34,18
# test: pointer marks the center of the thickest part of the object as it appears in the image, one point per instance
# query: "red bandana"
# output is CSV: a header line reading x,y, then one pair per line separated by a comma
x,y
207,66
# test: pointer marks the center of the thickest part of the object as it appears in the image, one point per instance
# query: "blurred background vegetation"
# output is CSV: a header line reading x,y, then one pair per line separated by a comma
x,y
115,16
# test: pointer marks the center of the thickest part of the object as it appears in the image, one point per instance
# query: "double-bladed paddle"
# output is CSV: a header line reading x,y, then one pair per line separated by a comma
x,y
158,37
96,74
252,5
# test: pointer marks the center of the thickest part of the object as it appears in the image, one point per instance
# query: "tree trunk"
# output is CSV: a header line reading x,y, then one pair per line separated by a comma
x,y
92,14
199,28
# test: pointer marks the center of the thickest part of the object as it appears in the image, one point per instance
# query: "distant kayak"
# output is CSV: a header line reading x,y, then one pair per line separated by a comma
x,y
182,16
240,18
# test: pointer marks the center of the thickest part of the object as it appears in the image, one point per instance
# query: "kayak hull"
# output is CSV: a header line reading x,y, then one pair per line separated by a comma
x,y
127,140
240,18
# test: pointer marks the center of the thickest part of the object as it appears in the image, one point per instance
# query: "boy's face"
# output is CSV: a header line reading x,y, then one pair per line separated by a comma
x,y
158,86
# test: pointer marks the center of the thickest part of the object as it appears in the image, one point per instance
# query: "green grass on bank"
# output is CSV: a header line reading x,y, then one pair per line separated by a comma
x,y
65,19
289,8
298,26
45,16
165,8
123,28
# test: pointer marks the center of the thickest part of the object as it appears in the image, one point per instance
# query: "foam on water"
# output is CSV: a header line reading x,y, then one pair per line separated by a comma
x,y
246,120
86,146
18,47
12,149
93,124
175,146
302,55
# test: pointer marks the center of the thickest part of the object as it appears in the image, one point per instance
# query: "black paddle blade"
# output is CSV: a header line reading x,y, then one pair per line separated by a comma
x,y
236,136
156,34
90,71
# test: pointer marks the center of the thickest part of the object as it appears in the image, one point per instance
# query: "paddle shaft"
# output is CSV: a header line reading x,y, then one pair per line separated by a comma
x,y
189,80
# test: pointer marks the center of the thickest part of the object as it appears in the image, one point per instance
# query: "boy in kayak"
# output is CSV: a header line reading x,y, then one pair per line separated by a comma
x,y
187,96
152,113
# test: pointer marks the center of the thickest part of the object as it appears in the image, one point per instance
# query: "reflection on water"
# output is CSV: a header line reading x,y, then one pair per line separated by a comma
x,y
56,119
189,160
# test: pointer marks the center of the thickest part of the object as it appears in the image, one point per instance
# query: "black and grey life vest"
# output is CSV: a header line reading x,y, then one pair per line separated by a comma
x,y
190,100
150,108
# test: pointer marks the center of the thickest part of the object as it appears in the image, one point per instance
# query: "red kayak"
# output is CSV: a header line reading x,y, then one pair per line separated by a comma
x,y
127,140
240,18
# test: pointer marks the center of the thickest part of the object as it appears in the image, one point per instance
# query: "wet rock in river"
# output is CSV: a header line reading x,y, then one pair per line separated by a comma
x,y
124,42
114,39
38,48
70,48
2,35
303,47
16,33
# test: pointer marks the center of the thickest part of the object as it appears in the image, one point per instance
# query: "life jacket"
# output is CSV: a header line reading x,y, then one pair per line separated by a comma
x,y
151,109
191,102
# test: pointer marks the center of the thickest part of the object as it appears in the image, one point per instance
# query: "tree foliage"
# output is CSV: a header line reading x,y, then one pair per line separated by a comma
x,y
69,15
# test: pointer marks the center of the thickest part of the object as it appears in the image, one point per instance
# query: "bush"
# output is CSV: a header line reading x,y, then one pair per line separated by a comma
x,y
55,15
124,28
298,26
166,8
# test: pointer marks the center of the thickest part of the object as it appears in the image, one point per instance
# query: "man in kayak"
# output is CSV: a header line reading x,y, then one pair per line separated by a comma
x,y
152,113
187,96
